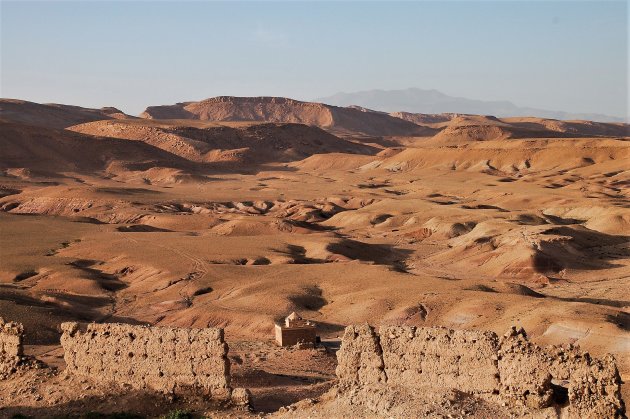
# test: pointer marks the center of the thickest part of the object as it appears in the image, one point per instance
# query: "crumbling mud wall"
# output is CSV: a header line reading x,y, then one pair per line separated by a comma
x,y
11,335
158,358
360,358
380,369
563,376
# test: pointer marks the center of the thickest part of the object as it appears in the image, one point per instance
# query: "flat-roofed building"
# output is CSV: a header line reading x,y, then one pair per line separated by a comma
x,y
296,330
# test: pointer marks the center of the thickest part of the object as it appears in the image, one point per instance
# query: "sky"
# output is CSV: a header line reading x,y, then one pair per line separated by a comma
x,y
559,55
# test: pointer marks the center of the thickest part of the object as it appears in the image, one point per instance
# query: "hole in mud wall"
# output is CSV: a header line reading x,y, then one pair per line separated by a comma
x,y
560,393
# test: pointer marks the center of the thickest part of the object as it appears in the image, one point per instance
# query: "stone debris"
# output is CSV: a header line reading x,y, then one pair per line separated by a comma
x,y
241,397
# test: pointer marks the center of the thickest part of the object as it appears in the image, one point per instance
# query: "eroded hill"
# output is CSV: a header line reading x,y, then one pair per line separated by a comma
x,y
53,115
195,223
245,143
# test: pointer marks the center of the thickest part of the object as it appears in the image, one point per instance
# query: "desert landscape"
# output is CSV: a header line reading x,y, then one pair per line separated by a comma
x,y
233,212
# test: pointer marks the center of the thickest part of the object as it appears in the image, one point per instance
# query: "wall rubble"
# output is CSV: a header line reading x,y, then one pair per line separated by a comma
x,y
11,349
541,377
159,358
374,369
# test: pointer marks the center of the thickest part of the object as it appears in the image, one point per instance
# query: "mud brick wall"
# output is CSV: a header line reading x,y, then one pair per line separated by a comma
x,y
441,358
360,358
419,357
158,358
374,366
11,335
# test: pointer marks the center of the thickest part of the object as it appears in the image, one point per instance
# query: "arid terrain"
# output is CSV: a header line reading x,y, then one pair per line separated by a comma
x,y
234,212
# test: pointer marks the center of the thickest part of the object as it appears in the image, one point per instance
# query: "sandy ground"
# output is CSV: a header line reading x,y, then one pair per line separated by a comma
x,y
462,233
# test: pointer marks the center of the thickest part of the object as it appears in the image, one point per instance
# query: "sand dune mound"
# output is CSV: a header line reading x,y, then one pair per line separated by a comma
x,y
532,251
573,128
249,227
455,129
298,211
333,161
52,115
277,109
470,128
110,210
611,223
42,150
238,143
155,175
516,156
515,127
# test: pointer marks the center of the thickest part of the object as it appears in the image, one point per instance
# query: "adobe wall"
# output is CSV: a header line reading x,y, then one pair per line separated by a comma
x,y
11,335
375,368
159,358
441,358
532,375
360,358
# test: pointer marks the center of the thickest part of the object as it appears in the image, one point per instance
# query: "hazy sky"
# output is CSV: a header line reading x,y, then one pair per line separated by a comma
x,y
564,55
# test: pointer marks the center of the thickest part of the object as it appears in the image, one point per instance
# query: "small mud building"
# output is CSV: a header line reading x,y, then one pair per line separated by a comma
x,y
296,331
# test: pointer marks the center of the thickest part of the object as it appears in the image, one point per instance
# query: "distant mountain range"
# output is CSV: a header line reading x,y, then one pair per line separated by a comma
x,y
435,102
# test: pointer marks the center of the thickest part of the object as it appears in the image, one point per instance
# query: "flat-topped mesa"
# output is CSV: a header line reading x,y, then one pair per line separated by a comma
x,y
232,108
282,110
375,369
11,349
296,331
158,358
256,99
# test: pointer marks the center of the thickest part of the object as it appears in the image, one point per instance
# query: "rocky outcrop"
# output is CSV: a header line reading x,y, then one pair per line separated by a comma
x,y
158,358
11,350
381,370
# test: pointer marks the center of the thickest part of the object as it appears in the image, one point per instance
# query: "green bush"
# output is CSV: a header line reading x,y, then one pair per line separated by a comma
x,y
177,414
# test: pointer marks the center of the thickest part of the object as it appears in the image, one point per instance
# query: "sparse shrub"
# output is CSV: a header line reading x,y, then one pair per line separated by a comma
x,y
177,414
